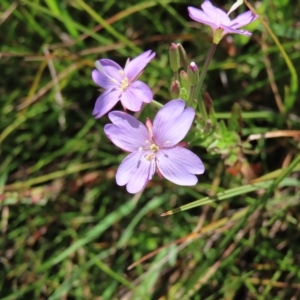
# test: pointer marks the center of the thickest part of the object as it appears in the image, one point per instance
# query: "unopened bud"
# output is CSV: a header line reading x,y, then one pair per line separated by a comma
x,y
174,57
184,61
184,78
193,73
175,89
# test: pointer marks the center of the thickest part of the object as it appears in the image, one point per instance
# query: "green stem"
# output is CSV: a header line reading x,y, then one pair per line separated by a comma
x,y
191,95
197,94
176,75
202,109
156,104
209,56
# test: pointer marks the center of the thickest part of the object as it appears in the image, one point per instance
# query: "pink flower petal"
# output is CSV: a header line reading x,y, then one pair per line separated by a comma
x,y
199,16
217,16
179,165
130,101
102,80
243,19
111,69
105,102
172,123
171,109
126,131
237,31
141,91
135,171
138,64
175,129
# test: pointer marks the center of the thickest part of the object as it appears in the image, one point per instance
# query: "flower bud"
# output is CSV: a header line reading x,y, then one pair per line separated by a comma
x,y
193,73
184,61
175,89
184,79
174,57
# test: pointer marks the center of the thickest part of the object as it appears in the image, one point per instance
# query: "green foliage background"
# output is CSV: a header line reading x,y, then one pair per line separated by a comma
x,y
69,232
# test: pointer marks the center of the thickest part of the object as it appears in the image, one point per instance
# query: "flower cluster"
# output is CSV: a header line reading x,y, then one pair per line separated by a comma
x,y
158,147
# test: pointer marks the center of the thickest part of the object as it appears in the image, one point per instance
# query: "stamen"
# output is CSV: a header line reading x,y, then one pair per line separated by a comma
x,y
154,148
124,84
149,156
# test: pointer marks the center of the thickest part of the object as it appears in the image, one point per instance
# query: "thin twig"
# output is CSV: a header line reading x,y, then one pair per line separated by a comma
x,y
58,96
271,76
8,12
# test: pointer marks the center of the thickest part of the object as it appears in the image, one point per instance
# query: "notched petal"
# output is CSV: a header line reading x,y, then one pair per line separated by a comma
x,y
110,69
141,91
126,131
172,123
134,67
243,19
102,80
105,102
135,171
199,16
130,101
179,165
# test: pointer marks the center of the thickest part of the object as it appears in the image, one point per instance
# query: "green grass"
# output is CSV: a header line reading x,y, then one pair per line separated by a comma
x,y
69,232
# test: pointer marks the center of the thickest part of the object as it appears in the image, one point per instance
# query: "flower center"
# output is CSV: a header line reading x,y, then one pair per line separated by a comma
x,y
153,148
124,84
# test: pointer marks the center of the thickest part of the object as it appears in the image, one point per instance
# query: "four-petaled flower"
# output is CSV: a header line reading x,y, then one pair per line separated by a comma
x,y
219,21
122,84
155,148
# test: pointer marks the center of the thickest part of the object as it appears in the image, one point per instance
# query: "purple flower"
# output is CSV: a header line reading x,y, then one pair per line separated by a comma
x,y
155,148
218,19
121,84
